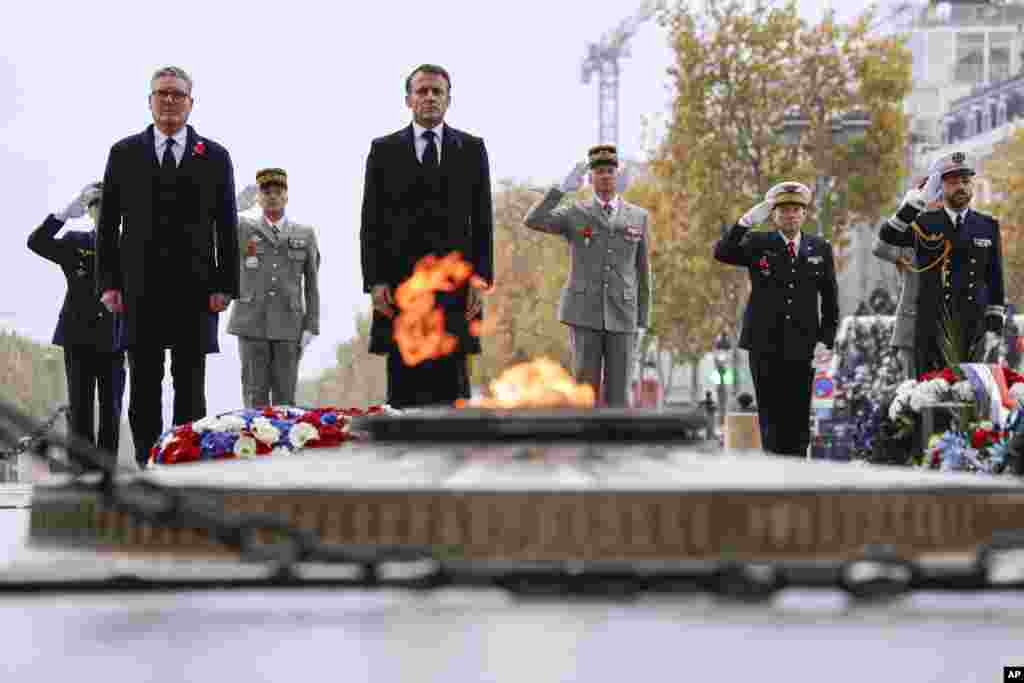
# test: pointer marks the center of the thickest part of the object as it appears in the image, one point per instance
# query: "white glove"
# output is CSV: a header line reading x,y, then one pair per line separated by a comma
x,y
915,198
574,180
307,337
757,215
78,206
913,203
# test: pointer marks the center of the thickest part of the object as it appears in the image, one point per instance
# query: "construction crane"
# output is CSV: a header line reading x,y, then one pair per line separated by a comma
x,y
603,58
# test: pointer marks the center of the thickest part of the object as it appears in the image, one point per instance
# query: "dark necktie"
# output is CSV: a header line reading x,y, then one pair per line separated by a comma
x,y
430,153
168,159
792,249
277,231
608,210
959,224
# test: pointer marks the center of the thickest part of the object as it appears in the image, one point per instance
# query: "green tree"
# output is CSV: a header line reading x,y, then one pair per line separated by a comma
x,y
530,270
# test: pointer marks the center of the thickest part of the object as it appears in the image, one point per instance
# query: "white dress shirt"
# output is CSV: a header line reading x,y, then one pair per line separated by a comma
x,y
795,241
281,225
421,142
614,202
180,140
953,214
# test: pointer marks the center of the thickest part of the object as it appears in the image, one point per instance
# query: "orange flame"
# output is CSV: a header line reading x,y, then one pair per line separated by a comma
x,y
541,383
419,328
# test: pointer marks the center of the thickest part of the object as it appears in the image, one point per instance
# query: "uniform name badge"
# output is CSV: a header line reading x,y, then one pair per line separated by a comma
x,y
252,262
633,233
297,243
980,242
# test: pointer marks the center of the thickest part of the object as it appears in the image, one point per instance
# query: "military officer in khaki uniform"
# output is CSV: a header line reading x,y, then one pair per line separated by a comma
x,y
606,300
278,312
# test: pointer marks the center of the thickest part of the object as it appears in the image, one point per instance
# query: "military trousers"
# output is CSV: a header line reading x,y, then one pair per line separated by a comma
x,y
783,389
91,373
603,359
270,371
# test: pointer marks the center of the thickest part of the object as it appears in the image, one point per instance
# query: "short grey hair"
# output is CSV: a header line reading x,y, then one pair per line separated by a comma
x,y
176,72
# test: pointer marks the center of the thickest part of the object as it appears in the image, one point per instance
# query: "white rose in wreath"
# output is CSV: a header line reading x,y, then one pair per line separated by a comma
x,y
1017,393
245,447
264,431
232,423
898,405
206,424
963,391
302,432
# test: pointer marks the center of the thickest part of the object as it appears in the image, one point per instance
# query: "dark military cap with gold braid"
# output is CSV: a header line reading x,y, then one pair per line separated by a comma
x,y
602,155
272,176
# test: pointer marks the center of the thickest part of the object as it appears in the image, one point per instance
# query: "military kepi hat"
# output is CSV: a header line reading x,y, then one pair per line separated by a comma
x,y
789,193
602,155
957,162
272,176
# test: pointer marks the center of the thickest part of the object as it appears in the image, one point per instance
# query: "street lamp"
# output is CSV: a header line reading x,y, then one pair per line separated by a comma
x,y
839,131
721,352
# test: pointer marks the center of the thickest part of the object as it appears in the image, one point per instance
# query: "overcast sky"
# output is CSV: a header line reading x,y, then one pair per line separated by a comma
x,y
306,86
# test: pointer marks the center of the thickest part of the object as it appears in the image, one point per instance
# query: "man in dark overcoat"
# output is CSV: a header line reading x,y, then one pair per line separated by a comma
x,y
167,253
427,191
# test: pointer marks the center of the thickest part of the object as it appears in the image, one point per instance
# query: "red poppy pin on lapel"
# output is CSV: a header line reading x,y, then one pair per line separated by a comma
x,y
588,232
199,149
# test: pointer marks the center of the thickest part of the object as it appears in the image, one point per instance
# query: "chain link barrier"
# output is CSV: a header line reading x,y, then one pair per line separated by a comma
x,y
877,575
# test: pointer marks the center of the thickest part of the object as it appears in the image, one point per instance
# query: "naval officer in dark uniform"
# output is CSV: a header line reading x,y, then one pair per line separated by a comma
x,y
92,337
793,306
958,254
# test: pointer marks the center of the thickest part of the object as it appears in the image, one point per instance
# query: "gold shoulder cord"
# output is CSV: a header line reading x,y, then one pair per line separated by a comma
x,y
927,241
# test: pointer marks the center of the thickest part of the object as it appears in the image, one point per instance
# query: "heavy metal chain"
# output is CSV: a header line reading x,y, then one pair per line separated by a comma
x,y
878,574
27,443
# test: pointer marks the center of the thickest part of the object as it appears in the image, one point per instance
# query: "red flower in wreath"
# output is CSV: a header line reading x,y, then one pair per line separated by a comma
x,y
949,374
1012,377
199,149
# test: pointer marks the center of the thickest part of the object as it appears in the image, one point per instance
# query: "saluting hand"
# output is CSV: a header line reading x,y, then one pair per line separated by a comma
x,y
78,205
757,215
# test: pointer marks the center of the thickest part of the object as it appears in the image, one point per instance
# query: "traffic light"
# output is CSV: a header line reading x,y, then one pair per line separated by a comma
x,y
726,377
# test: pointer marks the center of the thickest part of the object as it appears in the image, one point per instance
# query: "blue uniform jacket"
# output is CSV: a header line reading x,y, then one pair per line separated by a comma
x,y
793,304
83,321
974,283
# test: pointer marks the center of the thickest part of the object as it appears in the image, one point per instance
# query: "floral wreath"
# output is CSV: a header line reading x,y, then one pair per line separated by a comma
x,y
248,433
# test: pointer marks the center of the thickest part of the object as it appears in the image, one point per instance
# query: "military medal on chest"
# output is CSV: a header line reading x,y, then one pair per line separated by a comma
x,y
588,232
251,260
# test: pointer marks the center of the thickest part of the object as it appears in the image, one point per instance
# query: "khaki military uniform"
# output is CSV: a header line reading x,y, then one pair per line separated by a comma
x,y
608,294
280,298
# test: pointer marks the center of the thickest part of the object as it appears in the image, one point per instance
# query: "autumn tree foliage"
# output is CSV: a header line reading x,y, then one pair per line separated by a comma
x,y
1004,171
739,69
530,269
357,380
31,375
